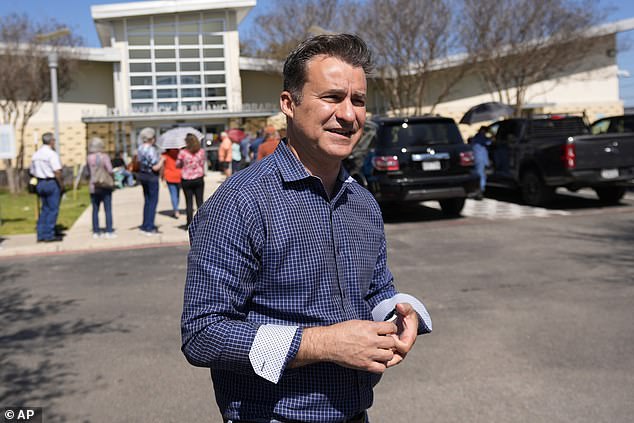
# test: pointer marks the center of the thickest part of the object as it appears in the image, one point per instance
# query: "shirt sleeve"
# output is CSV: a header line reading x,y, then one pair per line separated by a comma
x,y
385,307
221,272
272,350
55,162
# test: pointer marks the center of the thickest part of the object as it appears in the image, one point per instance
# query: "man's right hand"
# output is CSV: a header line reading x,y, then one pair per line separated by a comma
x,y
357,344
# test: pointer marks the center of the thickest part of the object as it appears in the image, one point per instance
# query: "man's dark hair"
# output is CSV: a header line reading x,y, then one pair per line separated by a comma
x,y
47,137
347,47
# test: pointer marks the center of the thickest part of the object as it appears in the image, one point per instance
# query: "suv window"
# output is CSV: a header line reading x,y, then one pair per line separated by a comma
x,y
411,134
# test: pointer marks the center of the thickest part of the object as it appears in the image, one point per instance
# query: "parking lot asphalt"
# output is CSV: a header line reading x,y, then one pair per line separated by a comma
x,y
532,323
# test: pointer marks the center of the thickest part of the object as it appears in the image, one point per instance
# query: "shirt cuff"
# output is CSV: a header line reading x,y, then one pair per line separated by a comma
x,y
385,307
269,350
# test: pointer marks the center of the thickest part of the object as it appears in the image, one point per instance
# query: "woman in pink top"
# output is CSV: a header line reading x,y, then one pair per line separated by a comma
x,y
192,161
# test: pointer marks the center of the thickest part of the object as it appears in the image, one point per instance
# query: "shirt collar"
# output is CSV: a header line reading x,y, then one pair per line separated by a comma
x,y
293,170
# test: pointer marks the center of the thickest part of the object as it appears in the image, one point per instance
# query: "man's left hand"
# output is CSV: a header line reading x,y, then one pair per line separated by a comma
x,y
407,323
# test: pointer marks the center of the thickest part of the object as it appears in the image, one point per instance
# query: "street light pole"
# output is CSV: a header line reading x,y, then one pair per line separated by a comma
x,y
52,64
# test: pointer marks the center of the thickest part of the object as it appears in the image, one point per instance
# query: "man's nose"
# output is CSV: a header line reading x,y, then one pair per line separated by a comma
x,y
345,110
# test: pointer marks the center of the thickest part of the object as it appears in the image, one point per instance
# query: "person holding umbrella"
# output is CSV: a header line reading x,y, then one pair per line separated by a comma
x,y
191,160
479,143
150,165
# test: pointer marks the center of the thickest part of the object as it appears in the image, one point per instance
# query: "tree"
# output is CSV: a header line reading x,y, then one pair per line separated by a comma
x,y
521,42
25,78
278,31
411,39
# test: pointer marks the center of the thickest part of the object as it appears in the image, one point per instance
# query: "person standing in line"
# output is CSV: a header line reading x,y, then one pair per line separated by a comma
x,y
97,159
236,156
255,147
120,168
255,144
269,145
150,165
479,143
191,160
245,150
288,297
225,154
47,168
172,176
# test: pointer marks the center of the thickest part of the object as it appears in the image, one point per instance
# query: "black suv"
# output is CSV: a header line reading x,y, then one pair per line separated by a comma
x,y
415,159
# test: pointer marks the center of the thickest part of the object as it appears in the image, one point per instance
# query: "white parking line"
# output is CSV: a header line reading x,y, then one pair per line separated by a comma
x,y
491,209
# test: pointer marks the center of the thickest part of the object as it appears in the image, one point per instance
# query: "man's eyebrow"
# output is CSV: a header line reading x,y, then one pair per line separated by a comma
x,y
334,91
343,91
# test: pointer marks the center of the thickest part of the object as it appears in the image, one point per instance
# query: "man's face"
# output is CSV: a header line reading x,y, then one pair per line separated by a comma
x,y
328,121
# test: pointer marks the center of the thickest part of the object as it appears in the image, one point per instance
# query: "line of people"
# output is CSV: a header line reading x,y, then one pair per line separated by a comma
x,y
236,155
179,168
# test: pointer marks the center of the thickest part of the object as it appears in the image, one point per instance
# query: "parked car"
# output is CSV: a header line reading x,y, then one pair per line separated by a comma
x,y
415,159
536,155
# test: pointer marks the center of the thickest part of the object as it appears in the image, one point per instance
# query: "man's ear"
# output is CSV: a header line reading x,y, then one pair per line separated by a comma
x,y
286,104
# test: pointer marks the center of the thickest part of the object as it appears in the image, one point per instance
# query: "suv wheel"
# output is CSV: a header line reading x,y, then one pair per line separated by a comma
x,y
534,191
610,195
452,206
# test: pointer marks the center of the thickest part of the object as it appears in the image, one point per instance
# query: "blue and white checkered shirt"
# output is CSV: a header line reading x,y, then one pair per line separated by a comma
x,y
271,254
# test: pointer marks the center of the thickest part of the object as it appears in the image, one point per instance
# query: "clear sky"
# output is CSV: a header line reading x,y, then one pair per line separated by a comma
x,y
76,15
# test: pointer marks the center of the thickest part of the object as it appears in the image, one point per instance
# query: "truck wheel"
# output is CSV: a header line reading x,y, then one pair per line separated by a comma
x,y
534,191
610,195
452,206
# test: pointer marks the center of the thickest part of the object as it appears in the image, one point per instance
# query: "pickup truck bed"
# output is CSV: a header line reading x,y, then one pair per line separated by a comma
x,y
540,154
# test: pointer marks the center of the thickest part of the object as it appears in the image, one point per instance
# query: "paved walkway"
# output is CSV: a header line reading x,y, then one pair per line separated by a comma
x,y
127,211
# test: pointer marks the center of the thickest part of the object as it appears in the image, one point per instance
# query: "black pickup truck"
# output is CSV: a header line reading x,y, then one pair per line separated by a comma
x,y
536,155
415,159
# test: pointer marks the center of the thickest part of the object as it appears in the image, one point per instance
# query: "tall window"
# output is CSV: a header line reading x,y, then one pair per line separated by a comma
x,y
177,63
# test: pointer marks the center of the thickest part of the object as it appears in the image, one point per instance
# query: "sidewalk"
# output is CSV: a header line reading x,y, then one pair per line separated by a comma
x,y
127,211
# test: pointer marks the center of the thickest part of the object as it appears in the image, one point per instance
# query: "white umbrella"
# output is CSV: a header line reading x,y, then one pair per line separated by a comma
x,y
175,138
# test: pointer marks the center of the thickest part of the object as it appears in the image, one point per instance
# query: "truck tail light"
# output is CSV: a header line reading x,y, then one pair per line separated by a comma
x,y
569,157
385,163
466,158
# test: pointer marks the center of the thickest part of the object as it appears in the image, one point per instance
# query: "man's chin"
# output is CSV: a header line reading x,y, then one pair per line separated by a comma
x,y
340,153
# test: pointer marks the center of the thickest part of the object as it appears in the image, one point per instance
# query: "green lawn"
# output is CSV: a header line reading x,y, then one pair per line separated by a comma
x,y
18,211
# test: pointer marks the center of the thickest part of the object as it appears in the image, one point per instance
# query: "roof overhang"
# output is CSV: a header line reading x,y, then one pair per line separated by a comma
x,y
102,14
173,117
258,64
91,54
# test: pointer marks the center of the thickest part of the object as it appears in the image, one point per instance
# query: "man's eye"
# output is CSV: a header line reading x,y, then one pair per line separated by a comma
x,y
360,102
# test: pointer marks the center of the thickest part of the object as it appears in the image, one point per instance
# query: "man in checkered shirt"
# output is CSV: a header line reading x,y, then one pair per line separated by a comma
x,y
288,295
